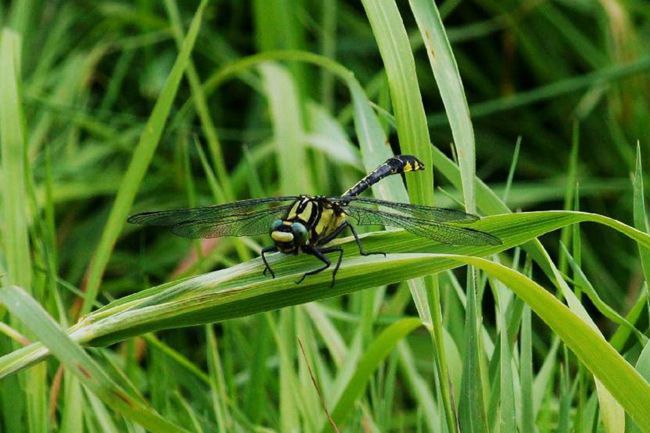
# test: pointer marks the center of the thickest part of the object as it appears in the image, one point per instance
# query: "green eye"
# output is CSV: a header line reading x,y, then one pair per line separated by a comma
x,y
275,225
299,233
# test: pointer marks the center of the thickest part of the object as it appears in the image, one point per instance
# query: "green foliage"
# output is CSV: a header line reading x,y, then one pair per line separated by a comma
x,y
111,108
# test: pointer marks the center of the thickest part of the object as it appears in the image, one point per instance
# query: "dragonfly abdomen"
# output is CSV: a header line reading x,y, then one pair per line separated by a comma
x,y
395,165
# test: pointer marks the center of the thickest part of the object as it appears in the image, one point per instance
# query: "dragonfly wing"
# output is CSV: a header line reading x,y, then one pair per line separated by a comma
x,y
213,213
437,214
245,224
429,229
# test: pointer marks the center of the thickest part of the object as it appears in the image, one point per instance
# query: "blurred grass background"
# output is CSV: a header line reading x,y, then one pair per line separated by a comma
x,y
569,80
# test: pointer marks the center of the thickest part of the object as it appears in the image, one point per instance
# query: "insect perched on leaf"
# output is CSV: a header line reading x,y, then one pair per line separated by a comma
x,y
308,223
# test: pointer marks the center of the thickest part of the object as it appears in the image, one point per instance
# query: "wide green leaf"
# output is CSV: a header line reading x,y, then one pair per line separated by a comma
x,y
242,290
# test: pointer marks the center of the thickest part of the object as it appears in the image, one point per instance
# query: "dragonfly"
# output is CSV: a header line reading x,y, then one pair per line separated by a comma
x,y
307,224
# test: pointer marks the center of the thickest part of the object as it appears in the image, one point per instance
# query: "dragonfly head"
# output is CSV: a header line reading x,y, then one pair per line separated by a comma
x,y
288,236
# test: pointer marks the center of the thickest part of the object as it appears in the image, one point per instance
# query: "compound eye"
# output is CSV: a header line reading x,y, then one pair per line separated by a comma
x,y
275,225
299,233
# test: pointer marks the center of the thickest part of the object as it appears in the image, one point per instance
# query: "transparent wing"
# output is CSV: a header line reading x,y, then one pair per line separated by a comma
x,y
212,213
434,214
243,224
426,228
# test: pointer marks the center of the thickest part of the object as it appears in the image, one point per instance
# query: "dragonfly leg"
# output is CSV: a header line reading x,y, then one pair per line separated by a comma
x,y
272,249
320,255
358,241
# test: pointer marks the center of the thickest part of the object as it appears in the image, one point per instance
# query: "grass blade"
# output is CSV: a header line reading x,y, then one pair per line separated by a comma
x,y
445,70
641,218
71,418
413,133
242,289
217,383
511,173
369,362
139,163
553,90
201,105
15,210
601,305
412,130
643,366
507,418
14,197
471,411
526,373
288,132
607,365
79,362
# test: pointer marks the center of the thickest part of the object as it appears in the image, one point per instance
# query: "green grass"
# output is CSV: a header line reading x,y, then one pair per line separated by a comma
x,y
114,108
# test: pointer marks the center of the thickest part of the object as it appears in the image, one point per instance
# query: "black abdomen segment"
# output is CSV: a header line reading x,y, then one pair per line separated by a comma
x,y
395,165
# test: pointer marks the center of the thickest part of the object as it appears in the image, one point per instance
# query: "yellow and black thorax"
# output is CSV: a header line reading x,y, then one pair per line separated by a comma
x,y
309,220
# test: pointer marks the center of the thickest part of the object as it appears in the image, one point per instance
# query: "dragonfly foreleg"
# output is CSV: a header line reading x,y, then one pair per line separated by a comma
x,y
320,255
271,249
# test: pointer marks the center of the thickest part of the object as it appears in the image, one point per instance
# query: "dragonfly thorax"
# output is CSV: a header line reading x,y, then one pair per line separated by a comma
x,y
289,236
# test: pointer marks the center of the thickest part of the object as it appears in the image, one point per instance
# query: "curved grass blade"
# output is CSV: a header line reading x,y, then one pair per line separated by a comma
x,y
77,361
242,290
491,203
602,306
621,380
